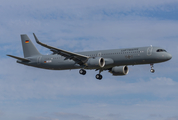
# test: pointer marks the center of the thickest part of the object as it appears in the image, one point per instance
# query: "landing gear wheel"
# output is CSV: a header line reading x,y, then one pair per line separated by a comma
x,y
99,77
82,72
152,70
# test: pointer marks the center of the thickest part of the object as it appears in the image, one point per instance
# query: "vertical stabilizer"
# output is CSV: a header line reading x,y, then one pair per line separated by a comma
x,y
29,49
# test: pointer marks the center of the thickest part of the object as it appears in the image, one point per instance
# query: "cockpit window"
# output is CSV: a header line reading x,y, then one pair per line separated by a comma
x,y
161,50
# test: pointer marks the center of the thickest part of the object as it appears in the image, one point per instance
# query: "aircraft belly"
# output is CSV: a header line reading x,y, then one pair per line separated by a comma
x,y
131,59
123,60
56,63
66,65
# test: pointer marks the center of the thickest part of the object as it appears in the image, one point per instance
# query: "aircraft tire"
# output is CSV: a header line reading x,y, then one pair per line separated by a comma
x,y
82,71
99,77
152,70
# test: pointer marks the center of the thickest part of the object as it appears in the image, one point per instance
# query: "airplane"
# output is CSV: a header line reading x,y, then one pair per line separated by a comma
x,y
116,61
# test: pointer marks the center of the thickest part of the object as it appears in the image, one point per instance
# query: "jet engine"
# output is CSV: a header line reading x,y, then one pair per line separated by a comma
x,y
119,70
97,62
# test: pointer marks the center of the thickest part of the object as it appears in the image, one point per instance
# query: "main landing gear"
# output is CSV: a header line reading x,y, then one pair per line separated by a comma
x,y
152,70
98,76
82,72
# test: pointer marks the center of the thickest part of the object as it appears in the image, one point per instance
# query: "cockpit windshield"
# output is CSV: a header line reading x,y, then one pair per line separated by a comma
x,y
161,50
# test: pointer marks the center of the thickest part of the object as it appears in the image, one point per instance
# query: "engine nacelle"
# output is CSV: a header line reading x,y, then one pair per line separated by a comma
x,y
119,70
97,62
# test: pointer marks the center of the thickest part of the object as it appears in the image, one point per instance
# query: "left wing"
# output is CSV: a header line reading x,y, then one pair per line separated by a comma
x,y
78,58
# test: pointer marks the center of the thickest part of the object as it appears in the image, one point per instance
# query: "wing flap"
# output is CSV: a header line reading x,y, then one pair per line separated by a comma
x,y
19,58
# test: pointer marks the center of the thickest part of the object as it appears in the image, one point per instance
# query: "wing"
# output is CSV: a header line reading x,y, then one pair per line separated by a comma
x,y
78,58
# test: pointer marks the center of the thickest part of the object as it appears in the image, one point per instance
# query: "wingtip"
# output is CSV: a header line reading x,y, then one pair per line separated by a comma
x,y
34,35
36,38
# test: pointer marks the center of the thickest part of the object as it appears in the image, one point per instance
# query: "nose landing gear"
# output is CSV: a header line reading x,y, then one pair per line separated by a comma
x,y
152,69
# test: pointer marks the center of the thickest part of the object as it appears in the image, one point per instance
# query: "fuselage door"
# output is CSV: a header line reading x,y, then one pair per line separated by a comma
x,y
39,60
149,51
99,54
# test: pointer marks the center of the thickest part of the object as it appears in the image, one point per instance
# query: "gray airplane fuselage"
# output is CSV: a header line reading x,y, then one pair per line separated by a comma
x,y
115,60
115,57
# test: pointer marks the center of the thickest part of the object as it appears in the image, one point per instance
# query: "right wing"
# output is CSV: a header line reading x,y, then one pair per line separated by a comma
x,y
78,58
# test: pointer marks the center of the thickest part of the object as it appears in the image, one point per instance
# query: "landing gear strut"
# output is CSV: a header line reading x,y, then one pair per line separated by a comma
x,y
152,70
82,71
99,76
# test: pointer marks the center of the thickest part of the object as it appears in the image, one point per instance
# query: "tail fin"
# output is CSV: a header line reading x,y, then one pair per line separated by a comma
x,y
28,48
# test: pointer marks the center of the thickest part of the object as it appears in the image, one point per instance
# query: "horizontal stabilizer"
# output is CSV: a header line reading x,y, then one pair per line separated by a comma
x,y
22,59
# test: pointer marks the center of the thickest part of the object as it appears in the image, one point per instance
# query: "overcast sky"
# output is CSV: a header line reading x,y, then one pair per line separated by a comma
x,y
28,93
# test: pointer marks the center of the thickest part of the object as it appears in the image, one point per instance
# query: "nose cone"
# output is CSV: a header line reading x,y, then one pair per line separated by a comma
x,y
168,56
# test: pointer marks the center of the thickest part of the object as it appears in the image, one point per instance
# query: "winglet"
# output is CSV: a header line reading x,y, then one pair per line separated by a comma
x,y
36,38
22,59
